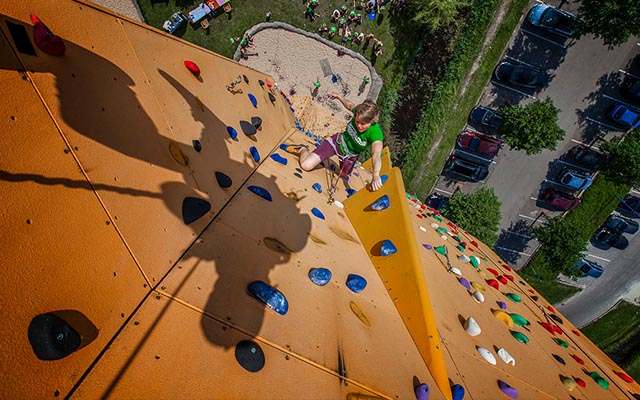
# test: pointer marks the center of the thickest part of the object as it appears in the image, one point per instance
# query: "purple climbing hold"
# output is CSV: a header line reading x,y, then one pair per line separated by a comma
x,y
254,153
508,389
427,246
320,276
465,283
253,100
232,132
457,392
279,159
350,192
260,191
383,178
270,296
380,204
193,208
317,213
502,305
387,248
422,392
356,283
317,187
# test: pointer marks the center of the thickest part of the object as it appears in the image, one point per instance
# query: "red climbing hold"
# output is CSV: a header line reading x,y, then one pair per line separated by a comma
x,y
505,266
493,271
473,242
268,82
46,40
624,376
502,279
578,359
493,283
575,332
532,292
509,277
419,216
548,327
193,67
580,382
550,308
557,329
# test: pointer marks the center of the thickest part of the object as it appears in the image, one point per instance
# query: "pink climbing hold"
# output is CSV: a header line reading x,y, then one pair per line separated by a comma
x,y
46,40
193,68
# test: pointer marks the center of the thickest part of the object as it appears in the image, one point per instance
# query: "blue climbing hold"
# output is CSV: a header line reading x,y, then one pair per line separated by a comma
x,y
279,159
317,213
253,100
260,191
254,154
320,276
317,187
272,297
502,305
380,204
291,108
383,178
422,391
232,132
388,248
334,78
309,134
457,392
356,283
350,192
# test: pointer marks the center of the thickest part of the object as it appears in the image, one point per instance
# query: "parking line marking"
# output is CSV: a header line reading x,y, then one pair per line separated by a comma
x,y
512,251
512,89
522,62
574,166
599,258
518,234
526,217
627,73
619,101
543,38
443,191
476,156
595,121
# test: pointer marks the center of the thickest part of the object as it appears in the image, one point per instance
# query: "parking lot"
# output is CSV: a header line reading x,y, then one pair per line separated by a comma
x,y
583,80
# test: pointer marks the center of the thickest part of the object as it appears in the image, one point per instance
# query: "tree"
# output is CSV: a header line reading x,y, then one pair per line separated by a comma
x,y
561,243
531,128
611,20
478,213
434,13
623,158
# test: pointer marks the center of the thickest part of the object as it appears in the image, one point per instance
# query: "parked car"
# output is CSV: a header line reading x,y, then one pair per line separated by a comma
x,y
625,116
553,19
574,180
631,87
176,21
629,207
590,268
520,75
436,201
586,157
606,239
479,143
560,200
468,169
486,117
619,224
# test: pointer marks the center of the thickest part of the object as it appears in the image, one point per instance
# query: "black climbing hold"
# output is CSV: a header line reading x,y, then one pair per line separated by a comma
x,y
260,191
52,338
232,132
224,181
534,298
272,297
248,128
197,145
559,359
556,318
249,355
299,170
246,80
261,82
253,100
298,175
272,98
193,208
256,122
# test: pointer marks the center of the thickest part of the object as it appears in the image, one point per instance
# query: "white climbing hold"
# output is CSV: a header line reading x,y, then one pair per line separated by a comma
x,y
506,357
455,271
487,355
338,204
434,225
423,229
472,327
443,237
478,296
464,258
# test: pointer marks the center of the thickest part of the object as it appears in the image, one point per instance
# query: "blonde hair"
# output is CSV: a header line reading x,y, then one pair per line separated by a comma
x,y
367,111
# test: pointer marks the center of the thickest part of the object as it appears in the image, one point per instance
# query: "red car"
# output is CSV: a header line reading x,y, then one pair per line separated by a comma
x,y
479,143
560,200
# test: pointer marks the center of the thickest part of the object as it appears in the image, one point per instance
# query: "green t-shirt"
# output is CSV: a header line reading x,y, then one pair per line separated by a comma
x,y
357,142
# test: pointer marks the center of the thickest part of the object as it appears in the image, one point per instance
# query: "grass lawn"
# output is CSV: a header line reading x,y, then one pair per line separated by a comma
x,y
614,327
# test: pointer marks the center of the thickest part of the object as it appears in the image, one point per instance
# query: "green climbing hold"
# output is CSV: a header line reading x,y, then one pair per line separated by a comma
x,y
561,342
513,297
474,261
460,248
485,259
440,249
519,319
437,218
603,383
519,336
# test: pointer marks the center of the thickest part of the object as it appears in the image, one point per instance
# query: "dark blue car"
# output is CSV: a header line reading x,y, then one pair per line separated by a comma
x,y
486,116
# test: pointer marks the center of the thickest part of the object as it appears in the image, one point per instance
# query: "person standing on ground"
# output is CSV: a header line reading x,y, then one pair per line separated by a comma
x,y
362,132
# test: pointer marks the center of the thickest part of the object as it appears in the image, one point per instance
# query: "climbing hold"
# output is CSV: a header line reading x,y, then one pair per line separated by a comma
x,y
519,336
46,40
380,204
233,134
493,271
350,192
279,159
441,250
387,248
474,261
568,383
193,68
320,276
317,187
486,355
270,296
338,204
559,359
356,283
556,318
478,286
493,283
460,247
261,82
457,392
578,359
550,308
465,283
434,225
246,80
256,122
317,213
247,128
254,153
177,154
422,392
196,145
548,327
561,342
253,100
249,355
624,376
260,191
224,181
269,84
534,298
427,246
383,178
272,98
478,296
463,258
506,357
603,383
508,389
502,279
519,320
52,338
422,228
193,208
580,382
509,277
455,271
472,327
473,242
505,266
355,309
504,317
513,297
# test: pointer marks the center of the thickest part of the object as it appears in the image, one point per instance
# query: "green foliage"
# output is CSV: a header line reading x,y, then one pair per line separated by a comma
x,y
612,20
478,213
615,327
623,158
532,127
561,244
434,13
